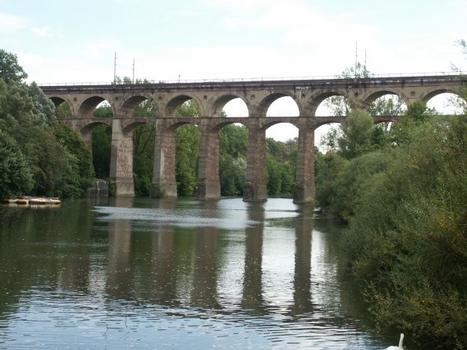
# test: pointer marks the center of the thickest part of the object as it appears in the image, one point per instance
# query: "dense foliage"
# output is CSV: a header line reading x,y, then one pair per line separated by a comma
x,y
38,156
403,195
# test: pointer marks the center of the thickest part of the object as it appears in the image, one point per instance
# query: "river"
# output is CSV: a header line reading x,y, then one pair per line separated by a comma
x,y
147,274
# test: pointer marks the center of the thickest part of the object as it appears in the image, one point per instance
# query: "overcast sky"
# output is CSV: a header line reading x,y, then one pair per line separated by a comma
x,y
75,41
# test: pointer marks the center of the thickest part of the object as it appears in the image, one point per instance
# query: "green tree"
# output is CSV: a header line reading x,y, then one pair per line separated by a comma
x,y
81,173
187,151
43,161
15,176
43,107
101,144
143,149
407,238
233,141
281,163
10,70
356,134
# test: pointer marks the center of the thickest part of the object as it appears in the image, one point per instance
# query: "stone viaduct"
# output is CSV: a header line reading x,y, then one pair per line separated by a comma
x,y
211,98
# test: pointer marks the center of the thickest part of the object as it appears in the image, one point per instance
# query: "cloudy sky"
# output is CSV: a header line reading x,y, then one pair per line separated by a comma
x,y
74,41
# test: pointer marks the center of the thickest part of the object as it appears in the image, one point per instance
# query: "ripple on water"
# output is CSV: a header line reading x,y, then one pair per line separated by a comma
x,y
232,276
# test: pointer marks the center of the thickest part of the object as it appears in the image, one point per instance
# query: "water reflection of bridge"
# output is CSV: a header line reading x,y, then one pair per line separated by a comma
x,y
173,266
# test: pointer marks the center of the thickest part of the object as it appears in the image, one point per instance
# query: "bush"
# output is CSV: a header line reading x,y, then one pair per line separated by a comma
x,y
407,238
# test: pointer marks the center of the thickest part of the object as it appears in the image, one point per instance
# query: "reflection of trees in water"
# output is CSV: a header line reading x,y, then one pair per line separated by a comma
x,y
164,272
119,271
184,263
302,281
43,247
252,297
204,289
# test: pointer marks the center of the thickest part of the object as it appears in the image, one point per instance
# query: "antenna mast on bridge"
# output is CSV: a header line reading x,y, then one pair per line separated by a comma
x,y
115,67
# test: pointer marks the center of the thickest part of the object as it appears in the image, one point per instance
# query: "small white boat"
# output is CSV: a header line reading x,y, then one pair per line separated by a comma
x,y
34,202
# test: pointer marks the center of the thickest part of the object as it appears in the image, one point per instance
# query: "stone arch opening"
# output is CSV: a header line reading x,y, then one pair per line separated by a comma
x,y
187,142
143,138
63,108
385,103
331,104
233,145
183,106
278,105
283,106
325,136
445,102
95,106
140,106
231,106
281,160
98,136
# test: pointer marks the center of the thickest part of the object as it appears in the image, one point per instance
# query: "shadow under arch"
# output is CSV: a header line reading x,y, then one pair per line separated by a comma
x,y
63,107
89,128
131,106
176,102
89,105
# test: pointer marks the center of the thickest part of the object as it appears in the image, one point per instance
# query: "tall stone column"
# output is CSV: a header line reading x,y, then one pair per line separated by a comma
x,y
208,164
164,183
305,172
121,161
255,189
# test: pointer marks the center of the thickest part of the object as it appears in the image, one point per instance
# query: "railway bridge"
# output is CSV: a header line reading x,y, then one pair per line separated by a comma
x,y
211,97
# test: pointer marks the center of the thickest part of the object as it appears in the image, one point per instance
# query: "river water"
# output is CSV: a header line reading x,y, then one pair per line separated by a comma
x,y
146,274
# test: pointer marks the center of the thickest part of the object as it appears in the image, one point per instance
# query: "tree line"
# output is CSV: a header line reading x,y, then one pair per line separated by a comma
x,y
37,155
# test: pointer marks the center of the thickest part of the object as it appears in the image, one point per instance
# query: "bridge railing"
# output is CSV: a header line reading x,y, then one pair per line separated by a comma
x,y
259,79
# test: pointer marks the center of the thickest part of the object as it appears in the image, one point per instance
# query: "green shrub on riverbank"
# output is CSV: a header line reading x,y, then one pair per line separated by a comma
x,y
407,239
405,204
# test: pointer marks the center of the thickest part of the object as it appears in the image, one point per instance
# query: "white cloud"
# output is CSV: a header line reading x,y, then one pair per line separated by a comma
x,y
10,23
41,32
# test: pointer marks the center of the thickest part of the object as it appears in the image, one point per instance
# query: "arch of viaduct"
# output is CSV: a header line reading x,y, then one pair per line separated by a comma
x,y
211,97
